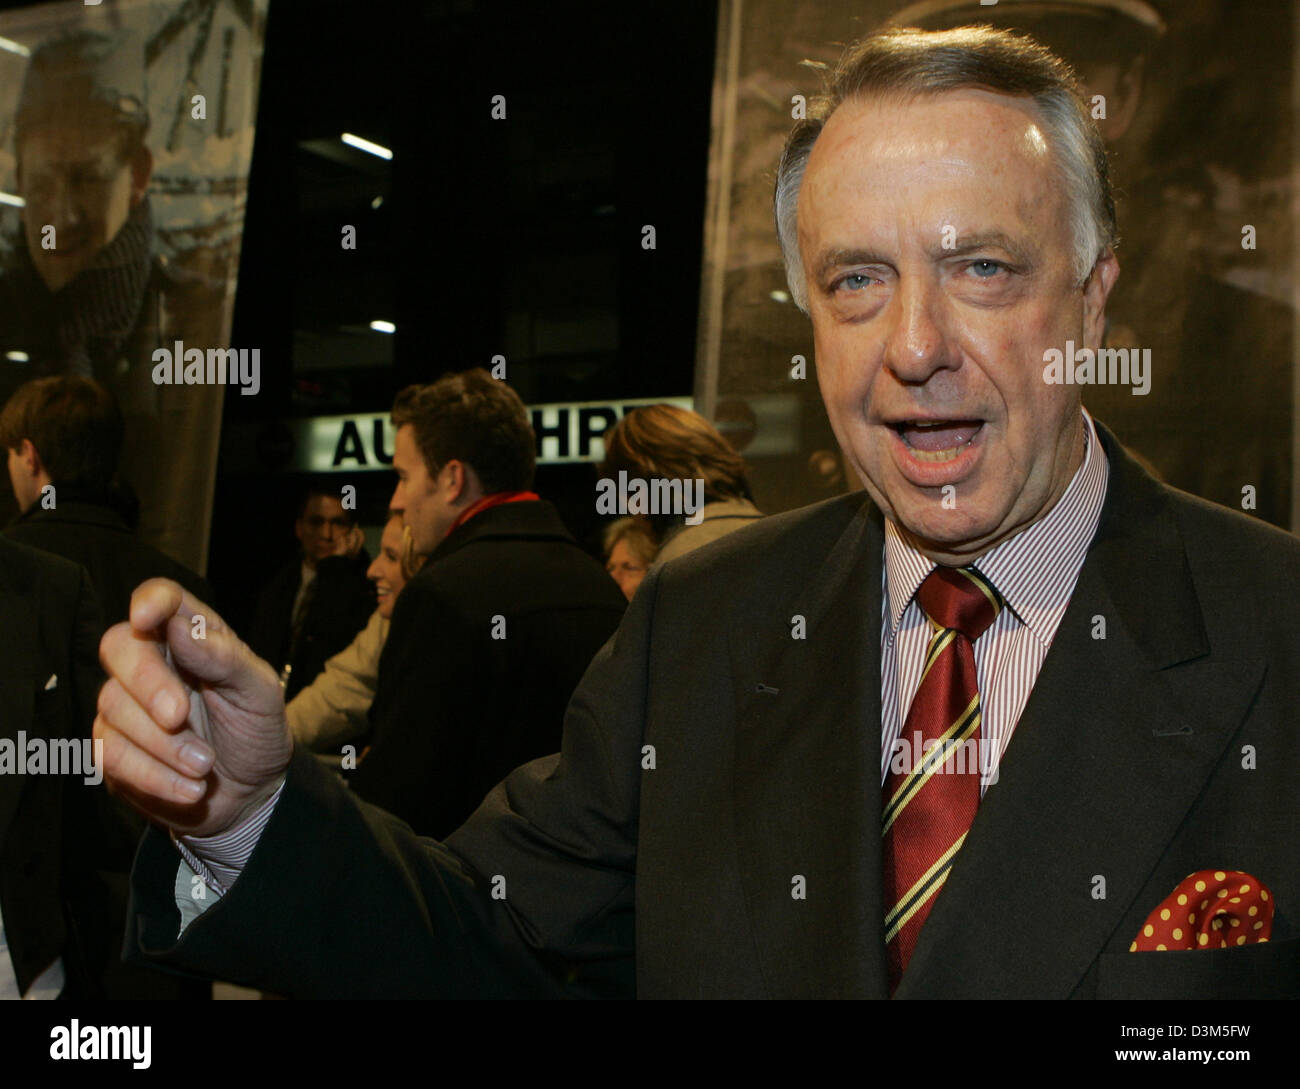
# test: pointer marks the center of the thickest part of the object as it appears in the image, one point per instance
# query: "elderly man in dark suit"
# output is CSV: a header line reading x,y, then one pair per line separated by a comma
x,y
967,737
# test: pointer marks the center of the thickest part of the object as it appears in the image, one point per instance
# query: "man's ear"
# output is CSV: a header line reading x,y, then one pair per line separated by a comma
x,y
453,480
141,172
1096,290
31,457
1130,88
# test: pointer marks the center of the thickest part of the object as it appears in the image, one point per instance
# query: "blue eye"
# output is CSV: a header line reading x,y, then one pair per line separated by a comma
x,y
855,281
992,268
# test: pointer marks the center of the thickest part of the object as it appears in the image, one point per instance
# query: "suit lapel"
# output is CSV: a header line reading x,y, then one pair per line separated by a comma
x,y
1115,744
807,780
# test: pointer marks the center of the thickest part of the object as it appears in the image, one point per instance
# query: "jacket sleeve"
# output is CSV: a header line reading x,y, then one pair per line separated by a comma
x,y
532,896
333,708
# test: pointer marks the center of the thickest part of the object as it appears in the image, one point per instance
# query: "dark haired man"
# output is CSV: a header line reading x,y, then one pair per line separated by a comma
x,y
85,293
313,607
65,845
64,438
490,639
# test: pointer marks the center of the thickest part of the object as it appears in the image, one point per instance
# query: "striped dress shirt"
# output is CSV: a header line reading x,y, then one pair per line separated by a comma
x,y
1035,572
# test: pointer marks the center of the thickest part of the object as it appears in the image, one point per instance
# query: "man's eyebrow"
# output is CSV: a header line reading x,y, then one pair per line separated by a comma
x,y
964,244
983,240
833,259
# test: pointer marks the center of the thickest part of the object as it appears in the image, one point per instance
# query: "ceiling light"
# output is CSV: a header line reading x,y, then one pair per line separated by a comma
x,y
366,145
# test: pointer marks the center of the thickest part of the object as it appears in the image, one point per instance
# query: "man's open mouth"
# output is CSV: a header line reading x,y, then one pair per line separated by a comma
x,y
937,440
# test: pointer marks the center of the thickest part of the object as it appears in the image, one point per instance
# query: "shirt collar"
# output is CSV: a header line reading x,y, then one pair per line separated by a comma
x,y
1034,571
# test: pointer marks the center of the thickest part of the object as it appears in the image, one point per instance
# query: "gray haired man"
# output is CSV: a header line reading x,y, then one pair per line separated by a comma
x,y
763,788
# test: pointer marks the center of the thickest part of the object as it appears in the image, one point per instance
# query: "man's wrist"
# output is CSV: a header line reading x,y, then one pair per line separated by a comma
x,y
221,858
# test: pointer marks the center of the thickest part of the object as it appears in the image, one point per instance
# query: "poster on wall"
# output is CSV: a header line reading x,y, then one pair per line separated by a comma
x,y
126,133
1201,152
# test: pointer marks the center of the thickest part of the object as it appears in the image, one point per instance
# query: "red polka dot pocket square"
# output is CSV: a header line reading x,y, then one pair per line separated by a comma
x,y
1210,909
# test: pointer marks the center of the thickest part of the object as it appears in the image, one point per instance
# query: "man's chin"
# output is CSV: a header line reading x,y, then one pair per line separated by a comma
x,y
57,281
56,272
954,534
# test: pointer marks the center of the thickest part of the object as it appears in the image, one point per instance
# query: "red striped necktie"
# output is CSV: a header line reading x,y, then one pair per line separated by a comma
x,y
929,804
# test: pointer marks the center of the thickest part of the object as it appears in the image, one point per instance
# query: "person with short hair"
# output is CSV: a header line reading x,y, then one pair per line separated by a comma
x,y
629,549
315,605
85,291
64,438
490,639
765,787
670,443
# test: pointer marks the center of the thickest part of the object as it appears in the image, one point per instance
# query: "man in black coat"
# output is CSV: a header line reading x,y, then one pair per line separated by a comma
x,y
64,436
490,639
313,607
65,846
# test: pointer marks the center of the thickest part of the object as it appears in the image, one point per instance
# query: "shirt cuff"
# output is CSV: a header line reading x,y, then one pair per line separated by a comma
x,y
220,859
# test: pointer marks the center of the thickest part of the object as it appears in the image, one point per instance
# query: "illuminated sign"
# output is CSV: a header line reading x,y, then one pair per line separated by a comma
x,y
566,433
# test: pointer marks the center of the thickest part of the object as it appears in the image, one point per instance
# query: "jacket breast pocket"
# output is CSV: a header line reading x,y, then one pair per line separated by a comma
x,y
1267,970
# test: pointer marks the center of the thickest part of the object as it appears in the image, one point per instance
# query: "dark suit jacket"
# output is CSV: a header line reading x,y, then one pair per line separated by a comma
x,y
456,706
94,535
64,848
1168,746
341,603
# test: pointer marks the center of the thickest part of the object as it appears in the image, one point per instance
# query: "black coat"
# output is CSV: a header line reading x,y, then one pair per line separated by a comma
x,y
65,846
486,646
91,533
341,603
614,875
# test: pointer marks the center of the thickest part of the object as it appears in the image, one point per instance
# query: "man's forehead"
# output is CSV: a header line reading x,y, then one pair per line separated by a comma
x,y
71,144
964,155
323,504
406,455
968,121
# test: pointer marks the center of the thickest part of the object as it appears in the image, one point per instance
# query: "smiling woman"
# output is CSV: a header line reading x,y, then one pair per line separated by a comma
x,y
332,710
389,570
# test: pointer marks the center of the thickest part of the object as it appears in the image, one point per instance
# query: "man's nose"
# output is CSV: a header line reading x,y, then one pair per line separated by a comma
x,y
917,342
61,208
